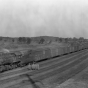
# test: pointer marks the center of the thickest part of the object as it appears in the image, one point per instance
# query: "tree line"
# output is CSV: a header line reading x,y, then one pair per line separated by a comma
x,y
42,40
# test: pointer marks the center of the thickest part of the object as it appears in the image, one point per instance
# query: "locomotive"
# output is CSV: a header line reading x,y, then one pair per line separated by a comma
x,y
13,60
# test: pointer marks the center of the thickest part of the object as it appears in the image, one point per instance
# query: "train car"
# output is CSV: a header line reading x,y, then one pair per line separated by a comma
x,y
54,51
67,50
72,49
42,53
60,51
28,57
36,55
47,53
63,52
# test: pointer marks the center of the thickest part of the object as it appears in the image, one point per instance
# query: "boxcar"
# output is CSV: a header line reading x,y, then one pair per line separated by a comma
x,y
36,55
47,53
54,51
60,51
28,57
72,49
69,50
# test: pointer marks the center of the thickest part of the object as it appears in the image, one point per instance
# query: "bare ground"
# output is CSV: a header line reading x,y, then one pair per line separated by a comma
x,y
78,81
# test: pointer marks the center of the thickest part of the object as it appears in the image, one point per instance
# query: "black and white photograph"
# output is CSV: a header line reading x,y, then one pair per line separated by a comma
x,y
43,43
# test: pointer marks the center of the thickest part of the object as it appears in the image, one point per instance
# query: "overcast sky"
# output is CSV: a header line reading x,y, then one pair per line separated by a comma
x,y
62,18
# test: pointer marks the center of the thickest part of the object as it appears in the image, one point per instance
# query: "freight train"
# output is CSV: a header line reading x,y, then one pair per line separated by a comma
x,y
12,60
49,52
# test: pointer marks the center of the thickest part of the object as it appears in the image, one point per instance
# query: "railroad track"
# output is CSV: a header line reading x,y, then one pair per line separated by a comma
x,y
56,70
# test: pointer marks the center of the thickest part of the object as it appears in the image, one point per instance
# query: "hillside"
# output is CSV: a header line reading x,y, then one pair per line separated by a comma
x,y
20,43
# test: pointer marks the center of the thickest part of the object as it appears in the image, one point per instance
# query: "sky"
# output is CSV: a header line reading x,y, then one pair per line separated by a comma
x,y
30,18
